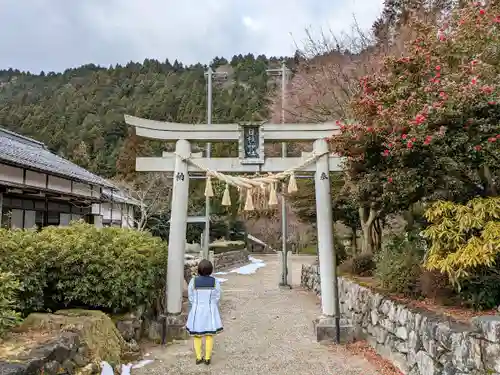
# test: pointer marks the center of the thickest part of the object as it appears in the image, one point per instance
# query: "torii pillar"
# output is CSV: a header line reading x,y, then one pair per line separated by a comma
x,y
251,160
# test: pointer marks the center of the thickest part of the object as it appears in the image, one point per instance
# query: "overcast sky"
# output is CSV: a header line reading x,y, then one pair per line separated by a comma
x,y
53,35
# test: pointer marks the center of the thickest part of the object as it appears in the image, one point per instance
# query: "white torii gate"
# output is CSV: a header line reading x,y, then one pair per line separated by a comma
x,y
251,160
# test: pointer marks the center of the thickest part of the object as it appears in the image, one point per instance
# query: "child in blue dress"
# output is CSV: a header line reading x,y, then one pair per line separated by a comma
x,y
204,320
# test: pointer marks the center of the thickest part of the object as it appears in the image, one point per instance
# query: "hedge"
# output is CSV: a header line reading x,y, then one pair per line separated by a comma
x,y
9,289
111,269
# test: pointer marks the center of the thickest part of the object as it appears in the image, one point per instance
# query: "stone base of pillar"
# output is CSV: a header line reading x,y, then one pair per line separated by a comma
x,y
175,327
325,330
284,286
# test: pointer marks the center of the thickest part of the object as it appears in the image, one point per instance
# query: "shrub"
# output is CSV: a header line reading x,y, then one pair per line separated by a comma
x,y
435,285
466,247
309,250
112,269
464,237
360,265
218,229
9,288
340,250
21,253
398,264
481,290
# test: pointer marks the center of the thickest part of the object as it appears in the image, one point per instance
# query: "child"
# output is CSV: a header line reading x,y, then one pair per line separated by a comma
x,y
204,317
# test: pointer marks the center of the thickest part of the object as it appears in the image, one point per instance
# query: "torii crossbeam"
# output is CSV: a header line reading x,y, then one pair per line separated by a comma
x,y
251,160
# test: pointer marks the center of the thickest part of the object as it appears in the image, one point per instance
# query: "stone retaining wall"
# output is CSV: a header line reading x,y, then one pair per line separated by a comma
x,y
417,342
222,261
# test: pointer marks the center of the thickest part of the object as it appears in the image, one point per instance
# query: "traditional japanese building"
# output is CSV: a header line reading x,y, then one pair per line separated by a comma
x,y
39,188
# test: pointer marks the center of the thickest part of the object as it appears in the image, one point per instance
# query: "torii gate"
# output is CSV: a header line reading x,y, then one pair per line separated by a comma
x,y
251,160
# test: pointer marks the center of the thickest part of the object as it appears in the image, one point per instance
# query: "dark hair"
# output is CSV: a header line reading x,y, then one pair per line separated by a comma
x,y
205,268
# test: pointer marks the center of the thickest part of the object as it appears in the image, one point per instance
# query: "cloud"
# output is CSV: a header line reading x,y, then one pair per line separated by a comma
x,y
251,24
58,34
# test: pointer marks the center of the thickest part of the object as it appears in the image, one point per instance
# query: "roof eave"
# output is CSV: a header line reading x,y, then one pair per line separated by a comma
x,y
71,178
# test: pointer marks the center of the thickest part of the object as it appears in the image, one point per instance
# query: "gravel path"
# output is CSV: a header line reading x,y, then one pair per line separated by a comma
x,y
266,331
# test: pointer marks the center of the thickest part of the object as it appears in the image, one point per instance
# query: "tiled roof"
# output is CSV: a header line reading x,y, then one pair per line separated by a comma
x,y
119,196
31,154
256,240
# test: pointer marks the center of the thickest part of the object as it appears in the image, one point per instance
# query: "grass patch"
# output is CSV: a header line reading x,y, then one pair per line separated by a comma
x,y
309,250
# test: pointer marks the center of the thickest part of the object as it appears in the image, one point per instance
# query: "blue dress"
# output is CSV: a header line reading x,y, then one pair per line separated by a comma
x,y
204,317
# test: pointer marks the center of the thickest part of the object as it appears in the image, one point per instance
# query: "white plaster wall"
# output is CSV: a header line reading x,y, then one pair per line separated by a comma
x,y
123,213
36,179
11,174
96,209
75,217
82,189
64,219
106,211
128,216
98,221
17,219
59,184
29,219
116,213
96,191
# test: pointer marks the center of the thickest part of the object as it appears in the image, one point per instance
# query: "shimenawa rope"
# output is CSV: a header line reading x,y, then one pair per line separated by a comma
x,y
252,183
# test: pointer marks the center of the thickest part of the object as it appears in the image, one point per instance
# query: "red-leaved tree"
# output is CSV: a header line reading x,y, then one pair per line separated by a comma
x,y
427,125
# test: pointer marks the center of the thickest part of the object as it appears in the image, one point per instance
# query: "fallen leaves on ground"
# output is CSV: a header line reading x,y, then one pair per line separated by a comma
x,y
361,348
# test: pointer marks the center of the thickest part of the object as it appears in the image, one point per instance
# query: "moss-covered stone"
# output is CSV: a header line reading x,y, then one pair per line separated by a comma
x,y
98,333
94,338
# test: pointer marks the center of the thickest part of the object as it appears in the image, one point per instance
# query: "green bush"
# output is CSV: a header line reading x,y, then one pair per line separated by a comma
x,y
9,289
436,286
359,265
465,242
309,250
218,229
112,269
22,254
398,264
339,250
480,290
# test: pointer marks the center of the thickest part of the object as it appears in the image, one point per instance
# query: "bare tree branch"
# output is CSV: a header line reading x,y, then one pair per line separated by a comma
x,y
152,193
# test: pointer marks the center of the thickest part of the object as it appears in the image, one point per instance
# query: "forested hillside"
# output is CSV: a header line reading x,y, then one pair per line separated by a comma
x,y
79,113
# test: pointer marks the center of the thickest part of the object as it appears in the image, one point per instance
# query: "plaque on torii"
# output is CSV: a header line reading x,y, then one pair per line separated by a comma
x,y
251,144
251,159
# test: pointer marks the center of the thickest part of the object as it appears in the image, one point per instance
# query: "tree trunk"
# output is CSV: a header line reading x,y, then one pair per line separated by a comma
x,y
366,243
141,225
354,240
368,215
409,218
377,235
489,182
